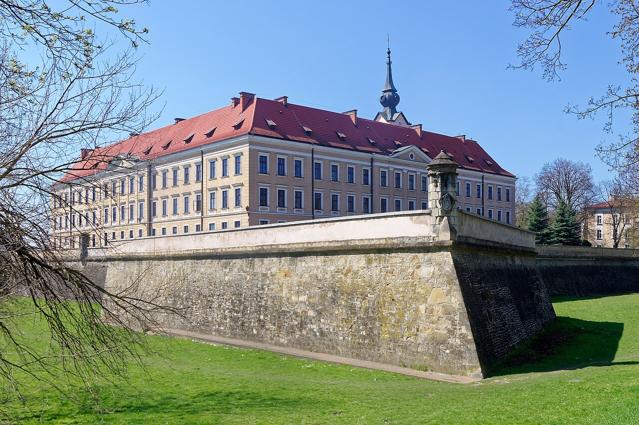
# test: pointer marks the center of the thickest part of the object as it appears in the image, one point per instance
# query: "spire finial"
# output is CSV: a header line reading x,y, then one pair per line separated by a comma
x,y
389,98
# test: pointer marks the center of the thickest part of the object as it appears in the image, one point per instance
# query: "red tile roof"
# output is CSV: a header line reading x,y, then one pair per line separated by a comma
x,y
283,120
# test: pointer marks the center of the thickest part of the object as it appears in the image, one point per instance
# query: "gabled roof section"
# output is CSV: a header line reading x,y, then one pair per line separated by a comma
x,y
408,149
294,123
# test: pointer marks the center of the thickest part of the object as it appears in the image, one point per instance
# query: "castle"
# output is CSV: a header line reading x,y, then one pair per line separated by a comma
x,y
259,161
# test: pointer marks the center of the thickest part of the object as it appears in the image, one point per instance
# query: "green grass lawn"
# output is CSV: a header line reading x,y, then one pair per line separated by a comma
x,y
582,370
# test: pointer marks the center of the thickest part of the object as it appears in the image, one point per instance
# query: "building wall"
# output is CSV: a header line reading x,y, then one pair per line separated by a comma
x,y
598,228
389,288
410,164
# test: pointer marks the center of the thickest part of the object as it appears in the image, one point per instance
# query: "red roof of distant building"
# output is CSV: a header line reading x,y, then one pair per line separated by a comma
x,y
282,120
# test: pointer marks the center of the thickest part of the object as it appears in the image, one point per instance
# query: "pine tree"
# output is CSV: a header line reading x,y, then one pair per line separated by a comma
x,y
566,229
538,221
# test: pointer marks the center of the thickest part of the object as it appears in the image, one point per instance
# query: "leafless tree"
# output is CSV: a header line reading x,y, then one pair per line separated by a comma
x,y
567,181
548,20
61,90
523,198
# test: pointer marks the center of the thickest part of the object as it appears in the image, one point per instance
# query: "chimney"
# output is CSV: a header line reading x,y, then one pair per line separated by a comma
x,y
353,114
84,153
283,100
461,137
235,101
418,129
246,99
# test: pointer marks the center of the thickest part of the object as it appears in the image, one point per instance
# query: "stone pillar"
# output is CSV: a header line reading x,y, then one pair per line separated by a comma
x,y
442,189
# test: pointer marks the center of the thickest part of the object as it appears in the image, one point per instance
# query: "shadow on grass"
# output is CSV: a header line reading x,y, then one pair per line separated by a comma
x,y
567,343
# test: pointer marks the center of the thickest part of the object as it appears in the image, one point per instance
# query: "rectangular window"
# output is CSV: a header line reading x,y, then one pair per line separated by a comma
x,y
478,190
238,197
225,199
411,182
212,169
263,164
238,164
93,194
490,214
198,228
165,177
154,181
141,183
366,176
263,197
263,222
187,174
131,212
457,189
141,211
186,228
424,188
198,172
298,168
114,213
198,202
411,205
122,188
508,217
599,234
225,167
398,180
490,193
424,205
334,202
211,226
154,209
499,194
507,196
164,231
478,211
383,178
350,203
350,174
317,201
174,230
398,204
211,200
164,208
130,234
334,172
175,177
281,198
236,224
383,205
187,204
105,217
467,190
366,204
599,219
122,213
281,166
317,171
131,184
498,215
175,206
225,225
299,199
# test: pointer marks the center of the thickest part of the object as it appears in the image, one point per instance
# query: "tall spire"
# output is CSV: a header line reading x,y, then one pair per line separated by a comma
x,y
389,98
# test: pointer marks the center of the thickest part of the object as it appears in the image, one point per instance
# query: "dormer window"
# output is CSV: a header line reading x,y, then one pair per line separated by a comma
x,y
371,141
188,138
271,124
238,123
488,162
397,143
341,135
166,145
307,130
470,158
210,132
148,150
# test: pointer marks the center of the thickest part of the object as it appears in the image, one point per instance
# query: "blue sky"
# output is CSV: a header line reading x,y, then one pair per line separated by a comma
x,y
449,62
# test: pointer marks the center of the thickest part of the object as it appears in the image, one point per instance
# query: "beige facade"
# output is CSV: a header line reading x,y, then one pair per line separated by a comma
x,y
252,180
611,227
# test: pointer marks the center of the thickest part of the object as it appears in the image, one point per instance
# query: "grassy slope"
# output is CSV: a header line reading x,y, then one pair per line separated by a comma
x,y
198,383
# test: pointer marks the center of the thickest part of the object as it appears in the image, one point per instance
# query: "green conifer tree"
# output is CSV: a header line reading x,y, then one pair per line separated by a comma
x,y
566,229
538,221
